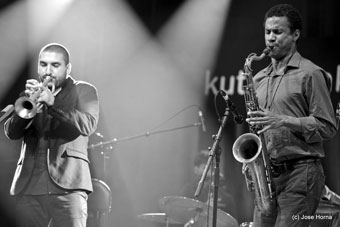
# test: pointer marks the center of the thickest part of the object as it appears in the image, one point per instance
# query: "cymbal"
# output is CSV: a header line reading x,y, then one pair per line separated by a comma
x,y
157,217
326,207
184,209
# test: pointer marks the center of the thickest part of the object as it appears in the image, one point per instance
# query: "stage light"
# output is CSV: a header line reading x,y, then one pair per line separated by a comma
x,y
43,18
192,36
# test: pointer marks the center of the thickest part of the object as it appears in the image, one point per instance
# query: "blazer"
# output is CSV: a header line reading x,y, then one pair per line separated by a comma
x,y
67,126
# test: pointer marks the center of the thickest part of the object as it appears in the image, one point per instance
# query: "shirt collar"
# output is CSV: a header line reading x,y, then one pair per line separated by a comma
x,y
294,62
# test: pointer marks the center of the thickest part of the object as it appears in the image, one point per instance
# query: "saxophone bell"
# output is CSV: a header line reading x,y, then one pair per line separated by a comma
x,y
247,148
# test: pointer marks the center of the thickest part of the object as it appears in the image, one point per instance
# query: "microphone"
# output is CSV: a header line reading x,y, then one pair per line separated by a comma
x,y
6,112
238,119
200,114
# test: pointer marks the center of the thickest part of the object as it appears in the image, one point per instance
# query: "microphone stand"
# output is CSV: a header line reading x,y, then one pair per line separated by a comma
x,y
109,144
215,152
145,134
6,112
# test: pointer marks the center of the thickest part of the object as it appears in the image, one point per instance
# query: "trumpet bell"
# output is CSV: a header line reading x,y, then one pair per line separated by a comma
x,y
247,148
25,107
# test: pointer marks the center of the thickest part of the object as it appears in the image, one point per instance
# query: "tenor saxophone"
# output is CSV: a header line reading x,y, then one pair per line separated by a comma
x,y
250,148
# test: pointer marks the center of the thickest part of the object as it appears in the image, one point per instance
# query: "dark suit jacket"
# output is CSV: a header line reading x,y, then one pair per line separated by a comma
x,y
67,126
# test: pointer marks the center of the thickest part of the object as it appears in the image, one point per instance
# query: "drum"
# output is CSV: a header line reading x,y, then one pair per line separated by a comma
x,y
100,199
99,204
246,224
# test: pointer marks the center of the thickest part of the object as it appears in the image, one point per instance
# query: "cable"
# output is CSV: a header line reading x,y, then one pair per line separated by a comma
x,y
174,115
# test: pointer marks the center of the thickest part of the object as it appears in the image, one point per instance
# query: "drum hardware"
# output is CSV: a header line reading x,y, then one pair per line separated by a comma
x,y
161,218
326,207
191,212
247,224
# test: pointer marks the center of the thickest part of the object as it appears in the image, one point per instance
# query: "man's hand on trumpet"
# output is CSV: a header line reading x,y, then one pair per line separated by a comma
x,y
32,86
45,97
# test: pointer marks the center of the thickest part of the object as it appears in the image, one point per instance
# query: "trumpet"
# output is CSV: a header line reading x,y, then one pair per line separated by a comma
x,y
27,107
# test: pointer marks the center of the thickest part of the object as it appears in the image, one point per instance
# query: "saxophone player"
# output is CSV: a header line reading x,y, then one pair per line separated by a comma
x,y
296,116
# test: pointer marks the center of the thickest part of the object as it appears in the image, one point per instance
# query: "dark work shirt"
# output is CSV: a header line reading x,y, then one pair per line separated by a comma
x,y
302,90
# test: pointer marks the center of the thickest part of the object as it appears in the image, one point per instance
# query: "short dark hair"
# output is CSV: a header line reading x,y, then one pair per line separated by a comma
x,y
286,10
58,48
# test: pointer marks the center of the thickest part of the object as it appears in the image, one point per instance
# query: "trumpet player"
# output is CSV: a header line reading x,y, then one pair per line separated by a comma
x,y
52,179
296,117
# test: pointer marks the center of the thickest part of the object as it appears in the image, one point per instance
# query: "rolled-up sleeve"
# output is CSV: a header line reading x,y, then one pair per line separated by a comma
x,y
321,123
